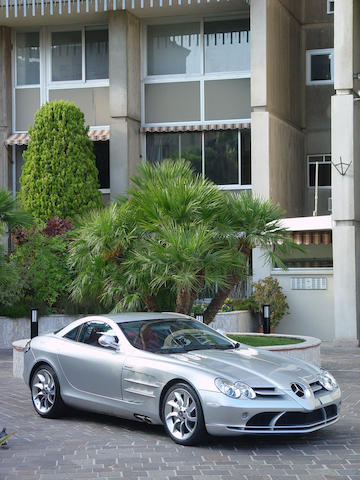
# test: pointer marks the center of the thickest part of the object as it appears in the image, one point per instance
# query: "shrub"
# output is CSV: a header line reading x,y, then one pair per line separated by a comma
x,y
269,291
41,256
59,176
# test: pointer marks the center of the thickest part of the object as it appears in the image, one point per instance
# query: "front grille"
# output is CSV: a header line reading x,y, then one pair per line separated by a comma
x,y
277,421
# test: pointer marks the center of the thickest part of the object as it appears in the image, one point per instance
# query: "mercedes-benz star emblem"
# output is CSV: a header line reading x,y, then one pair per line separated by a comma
x,y
300,390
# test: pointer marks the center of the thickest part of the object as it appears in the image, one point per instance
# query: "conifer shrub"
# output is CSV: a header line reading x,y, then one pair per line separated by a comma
x,y
59,176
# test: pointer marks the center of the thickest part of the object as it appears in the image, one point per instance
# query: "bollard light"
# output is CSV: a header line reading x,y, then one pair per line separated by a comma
x,y
266,318
34,325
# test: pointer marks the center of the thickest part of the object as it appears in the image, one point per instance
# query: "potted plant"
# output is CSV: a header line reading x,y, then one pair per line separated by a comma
x,y
269,291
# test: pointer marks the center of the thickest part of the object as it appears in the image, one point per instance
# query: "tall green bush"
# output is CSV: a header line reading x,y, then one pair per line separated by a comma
x,y
59,176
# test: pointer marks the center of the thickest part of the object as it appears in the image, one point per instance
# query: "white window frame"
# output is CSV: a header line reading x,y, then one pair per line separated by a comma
x,y
83,83
45,67
322,51
330,7
201,78
235,186
324,162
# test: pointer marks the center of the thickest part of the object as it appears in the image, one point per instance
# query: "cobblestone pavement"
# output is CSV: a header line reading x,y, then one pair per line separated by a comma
x,y
87,446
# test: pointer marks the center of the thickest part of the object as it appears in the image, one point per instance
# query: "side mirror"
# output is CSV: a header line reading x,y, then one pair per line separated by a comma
x,y
109,341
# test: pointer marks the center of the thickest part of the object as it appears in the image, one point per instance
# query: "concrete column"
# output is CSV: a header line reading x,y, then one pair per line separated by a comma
x,y
5,103
345,125
125,98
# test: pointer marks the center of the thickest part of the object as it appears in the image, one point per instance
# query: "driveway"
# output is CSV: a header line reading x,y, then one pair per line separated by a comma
x,y
90,446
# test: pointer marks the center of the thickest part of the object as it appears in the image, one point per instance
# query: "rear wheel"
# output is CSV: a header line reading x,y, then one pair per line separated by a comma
x,y
45,392
182,415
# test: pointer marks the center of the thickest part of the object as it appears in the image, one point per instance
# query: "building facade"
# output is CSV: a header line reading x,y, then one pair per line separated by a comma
x,y
256,94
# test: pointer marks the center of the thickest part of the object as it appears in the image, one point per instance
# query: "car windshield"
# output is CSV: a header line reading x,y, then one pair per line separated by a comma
x,y
173,335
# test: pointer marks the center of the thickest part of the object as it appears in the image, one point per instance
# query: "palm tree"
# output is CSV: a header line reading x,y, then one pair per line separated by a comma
x,y
176,233
252,223
10,217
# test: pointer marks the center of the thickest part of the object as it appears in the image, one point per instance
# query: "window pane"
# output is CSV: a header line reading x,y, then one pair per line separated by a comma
x,y
172,102
28,58
245,157
66,59
227,46
97,54
190,149
227,99
72,335
92,331
101,150
315,158
321,67
162,146
324,175
173,49
221,157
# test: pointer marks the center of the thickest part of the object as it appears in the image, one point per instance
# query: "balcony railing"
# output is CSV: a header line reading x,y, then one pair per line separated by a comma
x,y
15,8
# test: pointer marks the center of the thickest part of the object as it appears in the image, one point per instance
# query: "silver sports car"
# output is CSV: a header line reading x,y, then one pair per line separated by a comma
x,y
169,368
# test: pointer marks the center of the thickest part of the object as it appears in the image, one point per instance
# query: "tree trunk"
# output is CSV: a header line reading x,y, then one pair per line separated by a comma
x,y
195,291
150,304
183,301
218,301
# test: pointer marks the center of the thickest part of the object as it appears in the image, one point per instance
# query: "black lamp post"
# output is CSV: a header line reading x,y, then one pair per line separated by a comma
x,y
34,325
266,318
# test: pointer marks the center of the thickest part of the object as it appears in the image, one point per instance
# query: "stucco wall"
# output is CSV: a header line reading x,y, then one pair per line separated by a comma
x,y
311,311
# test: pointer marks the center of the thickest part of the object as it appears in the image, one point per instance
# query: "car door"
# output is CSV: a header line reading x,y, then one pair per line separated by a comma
x,y
89,367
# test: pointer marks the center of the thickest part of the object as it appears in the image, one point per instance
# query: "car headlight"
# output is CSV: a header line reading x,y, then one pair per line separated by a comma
x,y
234,390
327,380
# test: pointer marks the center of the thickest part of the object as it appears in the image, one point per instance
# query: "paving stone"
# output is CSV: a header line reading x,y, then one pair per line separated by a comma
x,y
89,446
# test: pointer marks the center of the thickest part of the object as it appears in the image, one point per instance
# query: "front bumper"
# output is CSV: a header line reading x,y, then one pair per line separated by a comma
x,y
227,416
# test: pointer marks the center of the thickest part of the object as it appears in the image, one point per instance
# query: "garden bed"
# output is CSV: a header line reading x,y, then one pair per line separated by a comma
x,y
265,340
299,346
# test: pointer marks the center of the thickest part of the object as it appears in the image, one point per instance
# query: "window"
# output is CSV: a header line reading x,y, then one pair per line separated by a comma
x,y
92,331
181,48
330,6
27,58
324,170
226,45
70,50
173,49
101,150
222,156
319,67
73,334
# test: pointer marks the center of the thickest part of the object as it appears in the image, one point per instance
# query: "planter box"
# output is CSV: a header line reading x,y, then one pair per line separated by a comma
x,y
237,321
309,350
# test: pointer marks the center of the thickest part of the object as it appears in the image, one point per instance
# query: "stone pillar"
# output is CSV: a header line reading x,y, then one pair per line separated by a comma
x,y
277,86
125,98
345,125
5,104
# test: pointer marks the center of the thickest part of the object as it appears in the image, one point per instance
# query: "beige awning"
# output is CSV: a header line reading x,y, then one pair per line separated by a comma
x,y
195,128
23,138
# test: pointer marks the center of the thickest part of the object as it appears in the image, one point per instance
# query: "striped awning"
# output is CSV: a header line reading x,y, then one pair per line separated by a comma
x,y
23,138
312,238
195,128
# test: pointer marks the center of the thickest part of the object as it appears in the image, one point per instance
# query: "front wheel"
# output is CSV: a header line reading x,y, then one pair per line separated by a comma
x,y
45,392
182,415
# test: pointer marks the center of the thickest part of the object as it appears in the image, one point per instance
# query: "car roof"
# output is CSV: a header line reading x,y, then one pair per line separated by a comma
x,y
133,316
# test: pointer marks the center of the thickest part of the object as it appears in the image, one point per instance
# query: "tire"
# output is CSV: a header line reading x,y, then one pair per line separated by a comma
x,y
45,393
182,415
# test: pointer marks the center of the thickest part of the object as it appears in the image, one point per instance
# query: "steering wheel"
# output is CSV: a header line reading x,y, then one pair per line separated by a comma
x,y
171,338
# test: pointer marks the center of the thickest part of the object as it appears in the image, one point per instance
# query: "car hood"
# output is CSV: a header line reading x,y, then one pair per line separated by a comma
x,y
254,366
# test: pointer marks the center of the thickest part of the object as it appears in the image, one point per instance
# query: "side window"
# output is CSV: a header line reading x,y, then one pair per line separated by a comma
x,y
92,331
73,334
